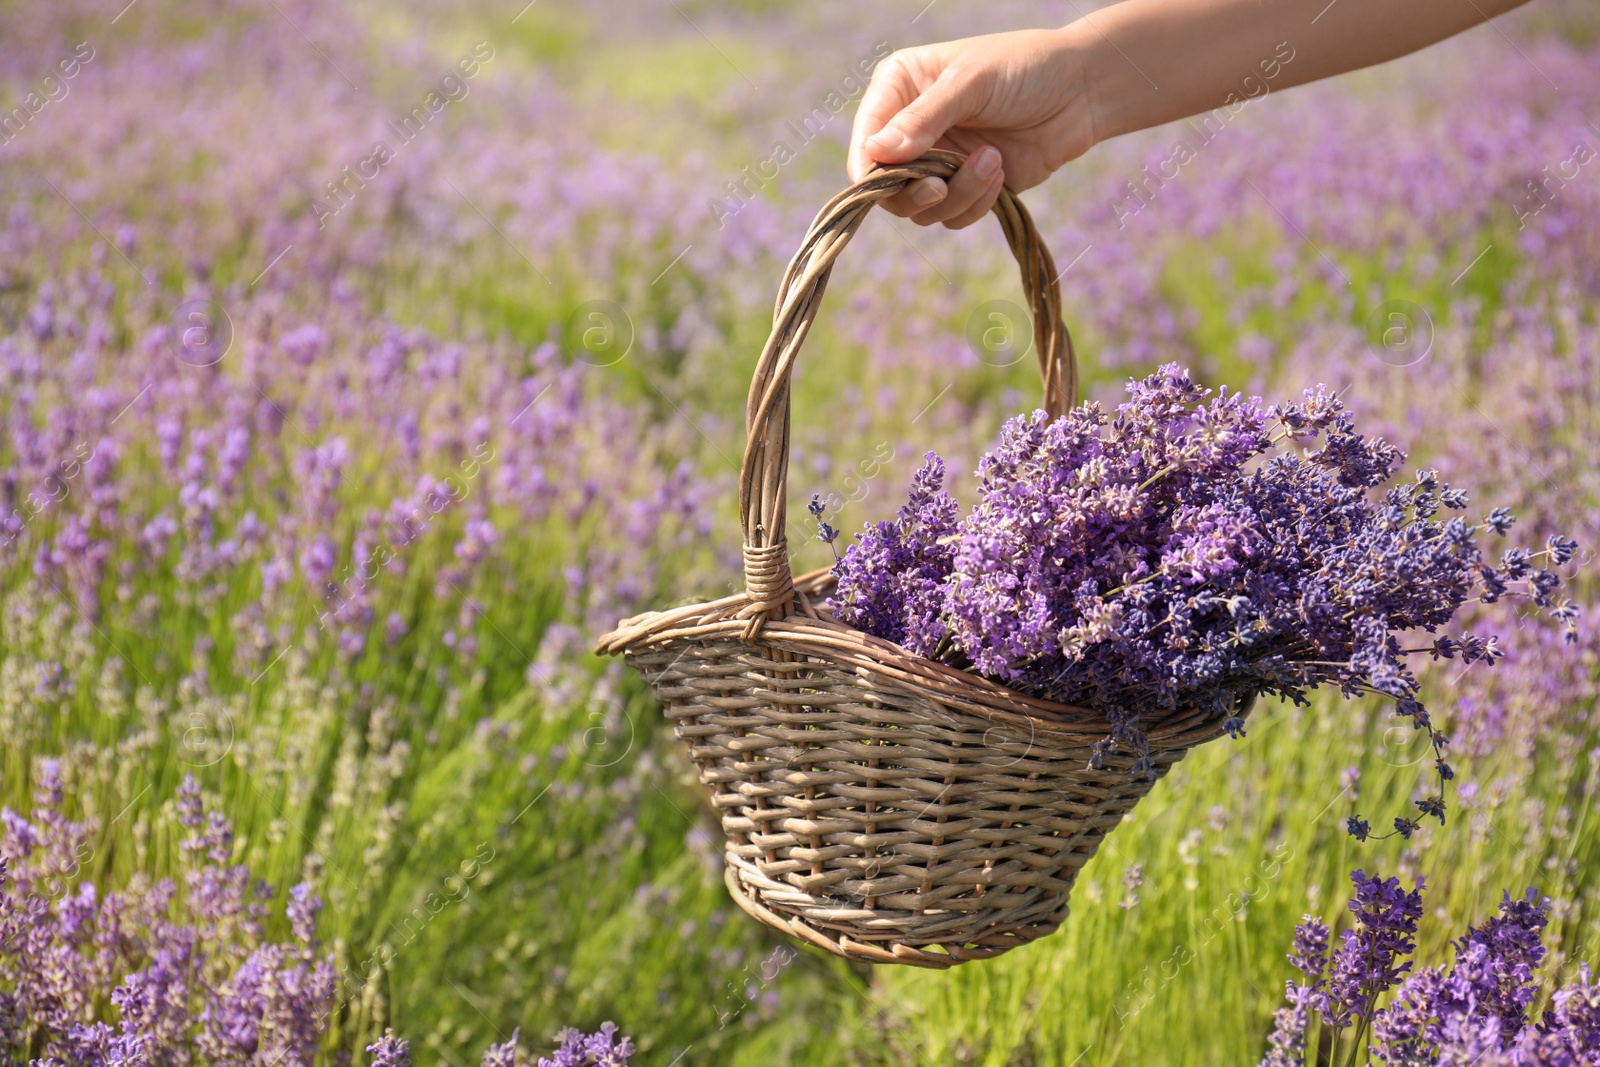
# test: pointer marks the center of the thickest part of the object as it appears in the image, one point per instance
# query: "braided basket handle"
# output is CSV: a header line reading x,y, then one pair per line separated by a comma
x,y
764,475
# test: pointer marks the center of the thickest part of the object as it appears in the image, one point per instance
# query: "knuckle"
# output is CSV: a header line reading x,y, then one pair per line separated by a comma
x,y
894,65
899,59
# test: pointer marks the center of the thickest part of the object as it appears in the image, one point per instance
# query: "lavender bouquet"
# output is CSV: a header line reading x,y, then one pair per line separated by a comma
x,y
1190,551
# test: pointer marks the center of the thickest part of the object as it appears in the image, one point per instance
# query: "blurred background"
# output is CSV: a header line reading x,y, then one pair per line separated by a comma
x,y
361,363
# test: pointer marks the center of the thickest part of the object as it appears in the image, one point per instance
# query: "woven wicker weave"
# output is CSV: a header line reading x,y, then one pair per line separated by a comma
x,y
883,806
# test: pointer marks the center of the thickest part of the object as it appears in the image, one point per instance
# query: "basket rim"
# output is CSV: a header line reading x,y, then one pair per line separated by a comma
x,y
809,629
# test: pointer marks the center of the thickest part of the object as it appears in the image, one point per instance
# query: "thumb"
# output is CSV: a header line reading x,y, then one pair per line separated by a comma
x,y
921,123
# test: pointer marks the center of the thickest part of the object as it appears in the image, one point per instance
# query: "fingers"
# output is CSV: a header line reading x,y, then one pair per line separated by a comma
x,y
911,103
891,89
917,197
893,86
920,123
971,192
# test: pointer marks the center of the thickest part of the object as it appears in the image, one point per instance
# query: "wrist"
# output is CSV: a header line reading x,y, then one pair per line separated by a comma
x,y
1043,70
1106,80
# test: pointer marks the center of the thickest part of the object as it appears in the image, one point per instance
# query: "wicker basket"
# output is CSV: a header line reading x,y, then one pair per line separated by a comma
x,y
883,806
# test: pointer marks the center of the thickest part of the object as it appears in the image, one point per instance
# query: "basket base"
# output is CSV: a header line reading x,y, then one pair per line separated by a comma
x,y
748,887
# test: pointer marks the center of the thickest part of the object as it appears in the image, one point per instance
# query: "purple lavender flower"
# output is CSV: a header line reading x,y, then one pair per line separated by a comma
x,y
600,1049
1368,962
1288,1038
390,1051
503,1054
302,911
1310,951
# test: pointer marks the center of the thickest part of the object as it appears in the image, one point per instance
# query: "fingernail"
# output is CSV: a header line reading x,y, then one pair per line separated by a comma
x,y
986,163
889,139
927,193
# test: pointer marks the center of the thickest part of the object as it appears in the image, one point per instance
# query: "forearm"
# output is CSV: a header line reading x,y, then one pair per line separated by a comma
x,y
1148,62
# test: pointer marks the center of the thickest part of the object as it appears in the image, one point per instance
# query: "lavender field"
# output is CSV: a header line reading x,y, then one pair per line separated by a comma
x,y
359,364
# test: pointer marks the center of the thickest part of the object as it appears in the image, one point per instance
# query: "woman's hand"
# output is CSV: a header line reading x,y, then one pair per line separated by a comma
x,y
1015,103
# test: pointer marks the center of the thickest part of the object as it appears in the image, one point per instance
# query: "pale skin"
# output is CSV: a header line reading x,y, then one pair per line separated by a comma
x,y
1021,105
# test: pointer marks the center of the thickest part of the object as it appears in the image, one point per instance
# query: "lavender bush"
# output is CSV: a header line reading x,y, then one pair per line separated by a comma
x,y
1476,1010
1191,553
158,972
